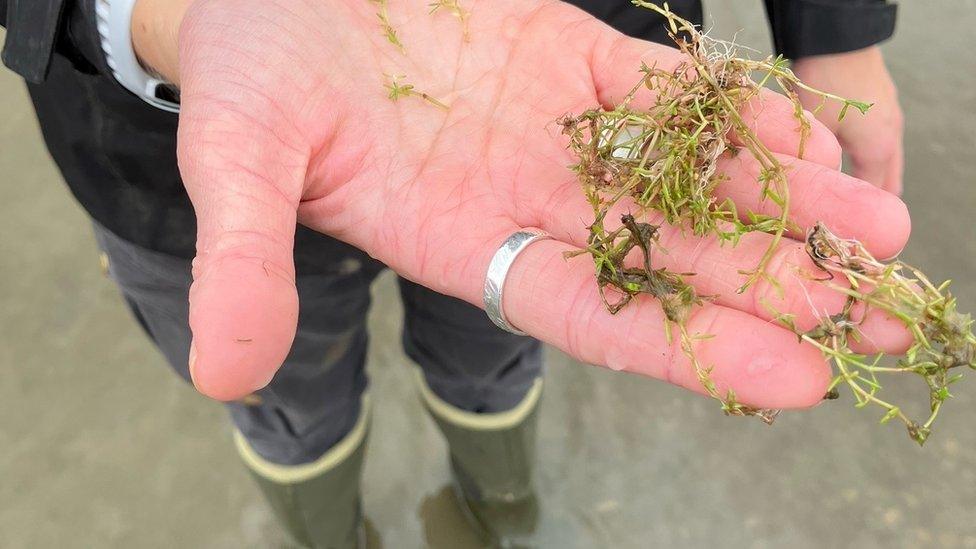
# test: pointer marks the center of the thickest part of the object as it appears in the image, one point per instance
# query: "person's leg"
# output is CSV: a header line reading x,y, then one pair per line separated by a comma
x,y
482,387
466,360
303,436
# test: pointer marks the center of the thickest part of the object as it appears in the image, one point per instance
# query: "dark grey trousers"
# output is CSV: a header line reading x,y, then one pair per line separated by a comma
x,y
313,401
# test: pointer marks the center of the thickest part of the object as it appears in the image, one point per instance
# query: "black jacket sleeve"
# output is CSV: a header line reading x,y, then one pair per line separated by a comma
x,y
802,28
33,28
38,29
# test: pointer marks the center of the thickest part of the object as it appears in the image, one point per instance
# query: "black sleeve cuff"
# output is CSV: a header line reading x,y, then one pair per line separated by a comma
x,y
33,27
802,28
37,29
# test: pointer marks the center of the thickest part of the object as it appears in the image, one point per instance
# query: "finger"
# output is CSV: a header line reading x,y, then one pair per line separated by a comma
x,y
896,165
850,207
894,177
801,288
557,300
718,267
873,170
616,60
772,117
245,188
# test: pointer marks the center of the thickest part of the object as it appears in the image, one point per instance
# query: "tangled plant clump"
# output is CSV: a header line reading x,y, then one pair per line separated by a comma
x,y
943,337
662,159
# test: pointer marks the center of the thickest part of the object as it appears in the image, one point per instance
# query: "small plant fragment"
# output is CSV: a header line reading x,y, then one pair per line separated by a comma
x,y
454,8
397,90
663,158
388,30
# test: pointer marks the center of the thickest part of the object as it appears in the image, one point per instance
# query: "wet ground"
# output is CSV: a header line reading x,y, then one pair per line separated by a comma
x,y
100,446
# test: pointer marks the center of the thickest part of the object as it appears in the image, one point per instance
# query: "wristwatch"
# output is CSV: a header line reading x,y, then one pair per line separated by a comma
x,y
114,20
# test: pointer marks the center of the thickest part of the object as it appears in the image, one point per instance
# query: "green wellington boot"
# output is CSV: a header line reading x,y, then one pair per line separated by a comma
x,y
318,502
492,456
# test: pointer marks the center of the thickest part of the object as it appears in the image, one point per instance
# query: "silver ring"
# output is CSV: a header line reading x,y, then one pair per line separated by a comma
x,y
501,262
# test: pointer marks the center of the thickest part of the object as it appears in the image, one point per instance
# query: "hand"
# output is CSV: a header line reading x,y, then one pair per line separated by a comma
x,y
286,119
874,140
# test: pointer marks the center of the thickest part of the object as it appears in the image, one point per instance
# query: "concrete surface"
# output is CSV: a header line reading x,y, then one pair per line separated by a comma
x,y
100,446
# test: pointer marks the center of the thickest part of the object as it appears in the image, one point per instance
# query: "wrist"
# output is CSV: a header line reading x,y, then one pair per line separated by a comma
x,y
155,33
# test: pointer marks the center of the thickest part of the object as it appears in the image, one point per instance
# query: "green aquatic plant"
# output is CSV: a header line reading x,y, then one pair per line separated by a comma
x,y
397,89
389,31
663,158
454,8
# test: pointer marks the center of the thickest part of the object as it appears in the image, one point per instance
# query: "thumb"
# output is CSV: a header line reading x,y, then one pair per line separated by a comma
x,y
245,181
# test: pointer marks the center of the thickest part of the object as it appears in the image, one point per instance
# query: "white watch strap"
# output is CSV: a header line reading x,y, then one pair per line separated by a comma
x,y
114,18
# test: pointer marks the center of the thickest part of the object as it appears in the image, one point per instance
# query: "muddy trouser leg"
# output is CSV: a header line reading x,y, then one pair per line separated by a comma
x,y
314,401
482,387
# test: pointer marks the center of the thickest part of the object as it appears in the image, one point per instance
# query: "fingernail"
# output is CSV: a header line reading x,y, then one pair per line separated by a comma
x,y
266,380
192,361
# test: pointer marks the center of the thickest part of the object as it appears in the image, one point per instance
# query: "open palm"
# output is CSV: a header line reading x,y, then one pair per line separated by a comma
x,y
286,119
